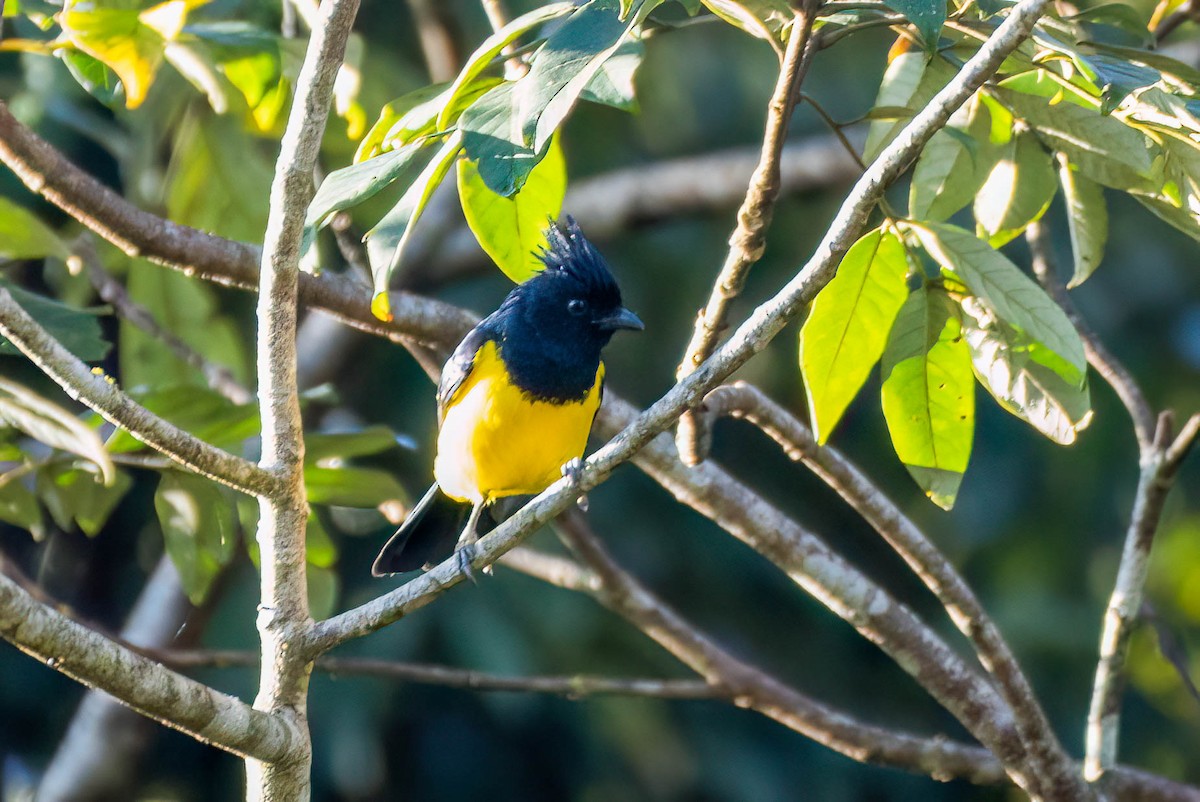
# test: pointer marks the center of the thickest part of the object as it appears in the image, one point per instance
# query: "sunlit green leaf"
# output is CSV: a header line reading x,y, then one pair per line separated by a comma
x,y
766,19
613,84
491,48
1002,361
1014,297
929,394
909,83
564,66
199,529
386,241
493,140
1017,191
512,230
379,139
846,330
93,75
1102,147
352,185
951,171
1087,217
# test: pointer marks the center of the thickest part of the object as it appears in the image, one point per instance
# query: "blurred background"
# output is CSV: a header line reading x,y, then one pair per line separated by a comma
x,y
1037,529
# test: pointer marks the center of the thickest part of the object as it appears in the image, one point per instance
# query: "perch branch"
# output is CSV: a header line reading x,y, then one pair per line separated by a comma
x,y
95,391
745,401
149,688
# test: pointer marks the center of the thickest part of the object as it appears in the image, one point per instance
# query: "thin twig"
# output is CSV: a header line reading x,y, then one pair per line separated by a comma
x,y
574,686
97,393
748,240
45,634
1185,13
745,401
828,37
437,42
113,293
834,126
1098,355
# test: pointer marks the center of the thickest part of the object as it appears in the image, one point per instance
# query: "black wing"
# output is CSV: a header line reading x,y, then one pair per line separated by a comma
x,y
458,366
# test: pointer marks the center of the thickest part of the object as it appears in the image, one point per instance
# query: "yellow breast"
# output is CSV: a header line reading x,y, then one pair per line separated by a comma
x,y
496,441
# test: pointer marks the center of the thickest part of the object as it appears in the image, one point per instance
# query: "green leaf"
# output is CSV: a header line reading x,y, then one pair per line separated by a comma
x,y
93,75
19,506
1178,218
319,547
205,413
927,15
846,330
613,84
24,236
765,19
376,141
199,529
48,423
564,66
386,241
75,495
352,185
1034,393
350,486
323,589
129,41
909,83
1002,287
951,171
1087,218
492,138
1102,147
491,49
512,230
344,445
929,394
1017,191
78,330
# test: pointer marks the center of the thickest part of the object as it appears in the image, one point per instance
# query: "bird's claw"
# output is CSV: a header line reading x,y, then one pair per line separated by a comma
x,y
465,555
573,472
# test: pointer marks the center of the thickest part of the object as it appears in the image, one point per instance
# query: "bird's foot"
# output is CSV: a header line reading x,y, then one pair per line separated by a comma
x,y
573,472
464,555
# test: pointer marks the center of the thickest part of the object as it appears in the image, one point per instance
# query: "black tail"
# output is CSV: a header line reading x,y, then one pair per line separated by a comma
x,y
428,535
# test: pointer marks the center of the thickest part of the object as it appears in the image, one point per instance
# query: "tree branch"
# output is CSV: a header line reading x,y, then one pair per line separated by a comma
x,y
1161,454
97,393
748,241
149,688
745,401
284,620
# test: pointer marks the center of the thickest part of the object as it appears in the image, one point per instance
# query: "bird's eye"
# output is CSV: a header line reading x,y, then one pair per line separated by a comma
x,y
576,306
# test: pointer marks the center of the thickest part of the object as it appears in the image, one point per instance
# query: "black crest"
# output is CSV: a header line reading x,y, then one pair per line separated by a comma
x,y
569,253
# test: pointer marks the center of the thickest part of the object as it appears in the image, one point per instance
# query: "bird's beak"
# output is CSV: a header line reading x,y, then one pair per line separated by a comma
x,y
621,319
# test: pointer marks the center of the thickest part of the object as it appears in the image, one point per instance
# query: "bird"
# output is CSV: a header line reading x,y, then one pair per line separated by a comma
x,y
516,401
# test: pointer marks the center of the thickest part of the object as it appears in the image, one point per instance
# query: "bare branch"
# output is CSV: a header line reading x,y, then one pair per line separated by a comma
x,y
154,691
745,401
437,43
749,687
96,392
1098,355
284,620
749,237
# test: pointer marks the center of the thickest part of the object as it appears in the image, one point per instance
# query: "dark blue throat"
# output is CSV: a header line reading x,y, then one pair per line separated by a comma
x,y
555,372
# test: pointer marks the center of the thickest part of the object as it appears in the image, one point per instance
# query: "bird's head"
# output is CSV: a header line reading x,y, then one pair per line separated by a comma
x,y
575,298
